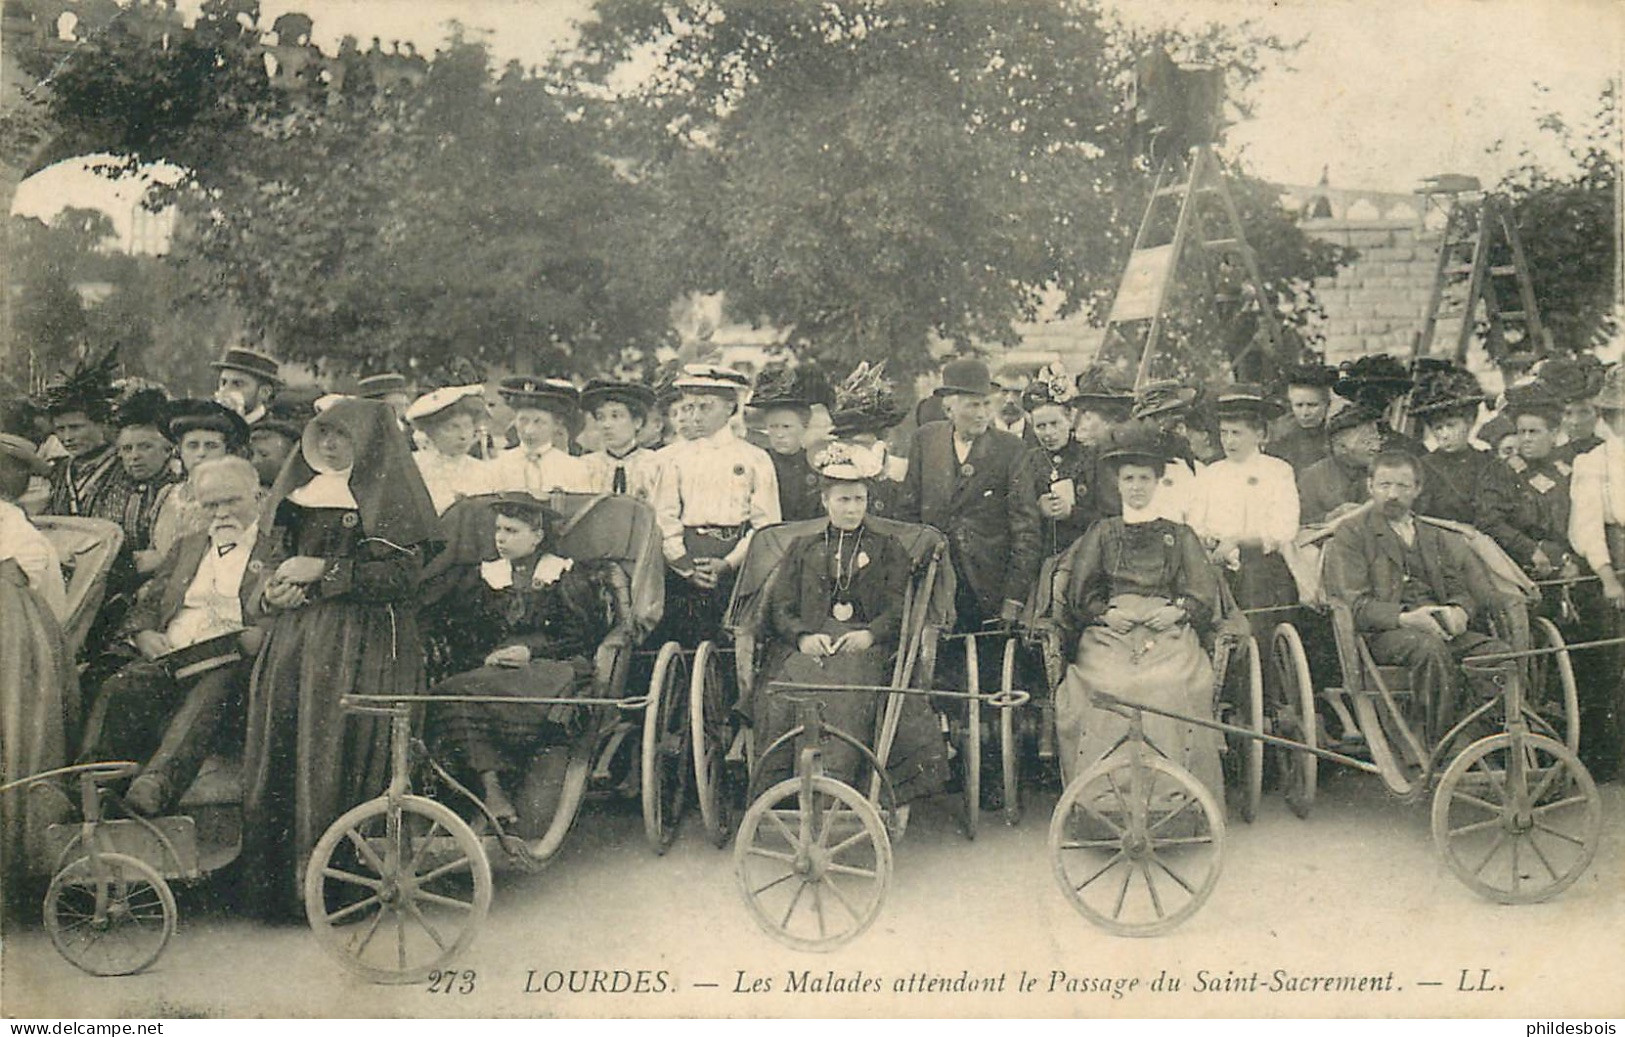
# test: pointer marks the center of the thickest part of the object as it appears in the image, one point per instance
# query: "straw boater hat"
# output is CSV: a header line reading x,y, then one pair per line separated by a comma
x,y
1135,444
1443,391
1050,387
966,376
842,462
864,403
532,392
183,416
711,379
639,399
250,362
444,402
1247,401
18,450
377,386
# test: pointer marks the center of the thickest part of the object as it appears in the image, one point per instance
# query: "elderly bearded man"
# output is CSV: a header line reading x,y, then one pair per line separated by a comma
x,y
162,709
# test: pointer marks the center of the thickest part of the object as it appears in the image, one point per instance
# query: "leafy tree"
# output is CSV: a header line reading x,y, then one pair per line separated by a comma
x,y
876,173
1567,223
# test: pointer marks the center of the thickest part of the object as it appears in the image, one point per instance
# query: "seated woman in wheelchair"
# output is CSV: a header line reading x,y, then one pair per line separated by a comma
x,y
834,617
1139,594
543,618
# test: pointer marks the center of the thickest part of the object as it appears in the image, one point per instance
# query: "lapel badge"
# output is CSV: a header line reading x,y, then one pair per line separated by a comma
x,y
1168,538
1252,480
350,519
812,478
256,566
967,470
739,469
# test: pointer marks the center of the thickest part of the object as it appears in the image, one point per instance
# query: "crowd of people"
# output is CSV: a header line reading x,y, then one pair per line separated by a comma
x,y
275,538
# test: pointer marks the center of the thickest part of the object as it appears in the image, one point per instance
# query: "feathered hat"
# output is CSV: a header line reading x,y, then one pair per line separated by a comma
x,y
88,389
780,385
865,402
1051,385
1572,378
845,462
142,406
1442,390
1375,381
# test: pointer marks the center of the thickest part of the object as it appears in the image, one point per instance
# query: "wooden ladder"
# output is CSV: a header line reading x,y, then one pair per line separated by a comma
x,y
1155,261
1481,259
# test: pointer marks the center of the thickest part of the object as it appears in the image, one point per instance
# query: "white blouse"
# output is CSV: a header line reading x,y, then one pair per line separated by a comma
x,y
1255,499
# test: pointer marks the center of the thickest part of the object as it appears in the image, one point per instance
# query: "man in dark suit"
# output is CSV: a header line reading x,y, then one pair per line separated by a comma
x,y
1409,590
167,710
966,479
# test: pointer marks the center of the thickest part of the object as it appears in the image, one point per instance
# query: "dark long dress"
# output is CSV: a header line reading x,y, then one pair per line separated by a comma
x,y
36,677
1139,567
307,760
804,599
562,624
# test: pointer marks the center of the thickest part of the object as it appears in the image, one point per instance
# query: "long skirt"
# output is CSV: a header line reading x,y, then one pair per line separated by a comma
x,y
694,614
496,736
307,760
1167,670
36,678
918,762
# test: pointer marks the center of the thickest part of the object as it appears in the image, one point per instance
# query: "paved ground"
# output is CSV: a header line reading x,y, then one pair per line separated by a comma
x,y
1355,890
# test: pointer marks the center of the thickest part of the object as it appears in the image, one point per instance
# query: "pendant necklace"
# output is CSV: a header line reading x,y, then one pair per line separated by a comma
x,y
841,611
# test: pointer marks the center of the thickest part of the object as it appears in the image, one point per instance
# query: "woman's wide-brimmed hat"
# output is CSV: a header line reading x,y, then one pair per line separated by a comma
x,y
864,403
377,386
1135,444
1310,376
846,462
1051,386
638,398
1246,401
1532,396
1349,414
87,389
522,506
183,416
555,395
1444,390
445,402
1101,385
783,386
1157,399
1375,380
1573,378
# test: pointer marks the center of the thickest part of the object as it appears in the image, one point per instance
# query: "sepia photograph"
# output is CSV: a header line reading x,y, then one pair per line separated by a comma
x,y
782,509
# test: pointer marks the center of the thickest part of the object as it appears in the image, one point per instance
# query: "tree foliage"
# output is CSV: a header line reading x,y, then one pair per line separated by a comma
x,y
1567,223
872,175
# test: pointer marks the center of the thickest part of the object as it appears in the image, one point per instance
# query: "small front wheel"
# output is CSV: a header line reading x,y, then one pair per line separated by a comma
x,y
813,862
1137,843
111,914
395,890
1517,817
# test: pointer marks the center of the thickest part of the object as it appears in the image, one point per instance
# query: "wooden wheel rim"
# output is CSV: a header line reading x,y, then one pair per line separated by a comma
x,y
1147,858
664,794
765,835
1485,798
134,894
705,726
1299,771
397,888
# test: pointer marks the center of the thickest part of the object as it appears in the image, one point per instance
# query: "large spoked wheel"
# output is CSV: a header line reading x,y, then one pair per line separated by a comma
x,y
1517,817
1295,718
970,743
1249,752
1553,692
813,862
1137,844
111,915
666,759
395,891
1009,756
708,734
